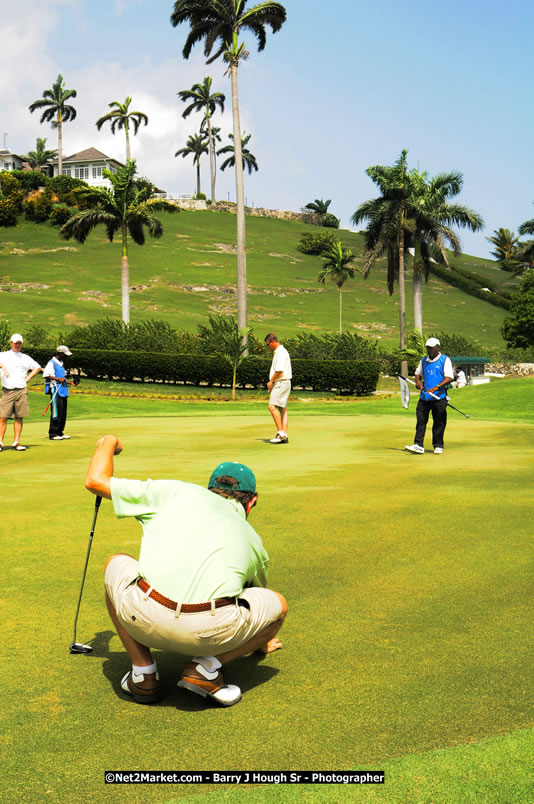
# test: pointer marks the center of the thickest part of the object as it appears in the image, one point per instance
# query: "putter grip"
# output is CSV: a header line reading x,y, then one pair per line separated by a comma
x,y
97,502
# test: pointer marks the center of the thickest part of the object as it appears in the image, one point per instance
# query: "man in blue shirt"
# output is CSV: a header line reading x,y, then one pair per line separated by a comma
x,y
56,384
432,376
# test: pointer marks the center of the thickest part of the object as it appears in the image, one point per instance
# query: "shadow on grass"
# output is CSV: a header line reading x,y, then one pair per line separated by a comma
x,y
247,672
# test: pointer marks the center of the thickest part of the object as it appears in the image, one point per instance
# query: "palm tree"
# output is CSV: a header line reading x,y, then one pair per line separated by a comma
x,y
433,215
56,111
338,269
249,160
219,23
40,157
122,117
124,208
197,145
388,224
215,137
318,206
505,248
527,227
203,100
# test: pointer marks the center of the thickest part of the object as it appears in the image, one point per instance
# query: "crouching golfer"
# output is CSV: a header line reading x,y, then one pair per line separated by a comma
x,y
198,587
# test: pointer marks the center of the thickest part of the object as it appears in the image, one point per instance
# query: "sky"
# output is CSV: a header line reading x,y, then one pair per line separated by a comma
x,y
342,86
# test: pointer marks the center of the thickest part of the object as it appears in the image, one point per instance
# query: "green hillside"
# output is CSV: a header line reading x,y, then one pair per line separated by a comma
x,y
190,273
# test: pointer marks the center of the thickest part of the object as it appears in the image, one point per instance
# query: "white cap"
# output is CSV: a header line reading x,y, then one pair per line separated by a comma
x,y
16,337
433,342
64,350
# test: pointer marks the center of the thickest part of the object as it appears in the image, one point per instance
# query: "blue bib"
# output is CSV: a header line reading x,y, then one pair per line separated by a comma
x,y
433,374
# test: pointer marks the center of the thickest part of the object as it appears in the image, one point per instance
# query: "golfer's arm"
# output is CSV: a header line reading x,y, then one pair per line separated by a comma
x,y
277,376
100,469
33,373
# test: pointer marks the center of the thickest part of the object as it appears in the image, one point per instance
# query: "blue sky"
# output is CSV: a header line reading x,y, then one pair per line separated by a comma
x,y
342,86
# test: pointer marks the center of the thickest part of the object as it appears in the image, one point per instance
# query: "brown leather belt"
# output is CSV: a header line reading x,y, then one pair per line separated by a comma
x,y
187,608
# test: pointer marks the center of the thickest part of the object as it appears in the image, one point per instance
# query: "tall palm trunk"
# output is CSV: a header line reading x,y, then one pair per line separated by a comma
x,y
198,174
212,159
418,285
240,197
340,311
125,277
402,303
59,143
128,156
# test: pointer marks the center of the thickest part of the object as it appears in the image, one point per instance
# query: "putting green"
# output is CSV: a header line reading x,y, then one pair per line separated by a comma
x,y
407,579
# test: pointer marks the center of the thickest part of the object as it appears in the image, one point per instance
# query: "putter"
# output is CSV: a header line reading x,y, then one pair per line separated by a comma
x,y
79,647
467,416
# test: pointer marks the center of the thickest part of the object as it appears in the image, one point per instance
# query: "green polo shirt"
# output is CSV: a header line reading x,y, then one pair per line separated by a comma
x,y
196,545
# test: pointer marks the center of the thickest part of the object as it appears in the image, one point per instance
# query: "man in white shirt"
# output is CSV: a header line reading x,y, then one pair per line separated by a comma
x,y
279,386
14,401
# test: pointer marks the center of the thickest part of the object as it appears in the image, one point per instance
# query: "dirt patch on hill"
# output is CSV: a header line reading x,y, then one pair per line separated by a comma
x,y
22,252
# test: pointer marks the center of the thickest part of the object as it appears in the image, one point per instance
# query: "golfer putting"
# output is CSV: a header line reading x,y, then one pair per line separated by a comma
x,y
198,587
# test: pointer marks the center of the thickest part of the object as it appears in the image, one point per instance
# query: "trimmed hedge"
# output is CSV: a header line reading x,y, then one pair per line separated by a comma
x,y
470,285
344,376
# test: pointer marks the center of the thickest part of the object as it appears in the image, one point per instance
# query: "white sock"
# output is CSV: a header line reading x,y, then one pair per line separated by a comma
x,y
143,671
209,663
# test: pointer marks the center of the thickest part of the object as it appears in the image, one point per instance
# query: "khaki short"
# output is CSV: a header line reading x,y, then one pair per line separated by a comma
x,y
280,393
200,634
14,404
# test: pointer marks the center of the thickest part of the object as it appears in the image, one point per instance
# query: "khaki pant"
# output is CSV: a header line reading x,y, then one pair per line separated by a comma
x,y
201,634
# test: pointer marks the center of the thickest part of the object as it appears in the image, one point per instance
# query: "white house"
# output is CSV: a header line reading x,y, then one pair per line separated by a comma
x,y
9,161
88,165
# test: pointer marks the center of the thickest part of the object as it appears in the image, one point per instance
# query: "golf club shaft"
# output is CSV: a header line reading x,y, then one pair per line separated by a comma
x,y
435,397
51,400
97,506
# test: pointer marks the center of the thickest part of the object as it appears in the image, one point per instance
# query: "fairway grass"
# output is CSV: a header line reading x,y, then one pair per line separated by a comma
x,y
406,647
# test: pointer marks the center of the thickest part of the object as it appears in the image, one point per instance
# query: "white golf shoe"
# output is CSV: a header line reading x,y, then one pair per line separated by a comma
x,y
415,448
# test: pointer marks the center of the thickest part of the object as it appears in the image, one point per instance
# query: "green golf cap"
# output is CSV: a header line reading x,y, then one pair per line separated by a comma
x,y
245,477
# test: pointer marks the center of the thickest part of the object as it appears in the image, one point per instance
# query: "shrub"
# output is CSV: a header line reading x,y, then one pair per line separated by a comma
x,y
330,221
39,336
199,197
344,376
31,179
471,285
60,214
8,212
518,328
38,208
316,242
64,186
9,183
5,334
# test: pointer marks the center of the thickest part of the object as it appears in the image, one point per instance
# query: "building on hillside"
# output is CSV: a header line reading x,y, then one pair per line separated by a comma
x,y
9,161
89,166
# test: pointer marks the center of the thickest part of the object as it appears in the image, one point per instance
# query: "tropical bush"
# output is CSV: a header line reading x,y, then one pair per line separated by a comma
x,y
31,179
9,183
5,334
64,186
316,242
60,214
199,197
330,221
39,207
8,211
518,329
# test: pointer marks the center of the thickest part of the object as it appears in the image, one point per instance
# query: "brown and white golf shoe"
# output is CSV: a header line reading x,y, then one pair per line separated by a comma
x,y
198,680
